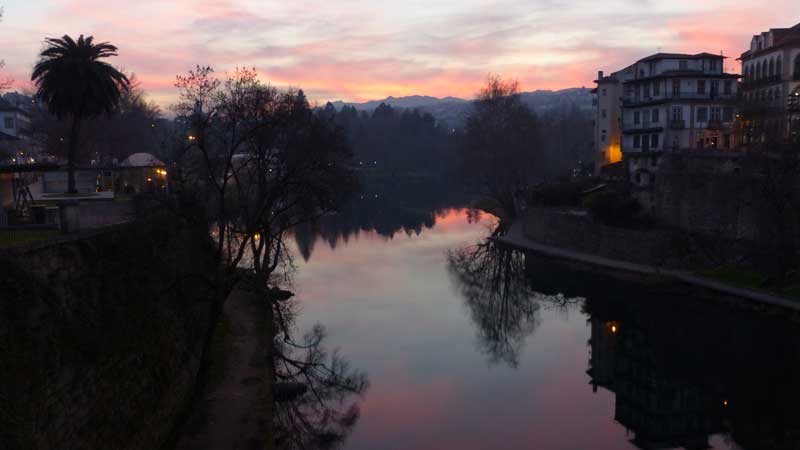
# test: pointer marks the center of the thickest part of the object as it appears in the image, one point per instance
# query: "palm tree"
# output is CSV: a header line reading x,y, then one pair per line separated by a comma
x,y
71,78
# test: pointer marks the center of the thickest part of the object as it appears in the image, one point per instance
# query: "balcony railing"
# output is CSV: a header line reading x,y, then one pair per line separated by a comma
x,y
632,101
763,81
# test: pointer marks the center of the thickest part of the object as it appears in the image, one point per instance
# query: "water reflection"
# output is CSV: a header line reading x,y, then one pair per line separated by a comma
x,y
683,369
580,359
492,282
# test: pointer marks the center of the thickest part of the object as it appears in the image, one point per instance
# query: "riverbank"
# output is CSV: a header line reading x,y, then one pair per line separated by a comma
x,y
232,412
516,237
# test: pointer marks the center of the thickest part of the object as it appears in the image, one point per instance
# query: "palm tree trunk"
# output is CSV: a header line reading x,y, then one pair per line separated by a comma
x,y
72,153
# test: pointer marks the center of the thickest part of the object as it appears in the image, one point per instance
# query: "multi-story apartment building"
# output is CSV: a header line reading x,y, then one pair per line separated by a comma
x,y
771,84
665,102
678,101
14,133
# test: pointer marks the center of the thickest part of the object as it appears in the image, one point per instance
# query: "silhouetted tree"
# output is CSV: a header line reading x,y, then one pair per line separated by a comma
x,y
263,163
135,126
5,83
500,150
73,81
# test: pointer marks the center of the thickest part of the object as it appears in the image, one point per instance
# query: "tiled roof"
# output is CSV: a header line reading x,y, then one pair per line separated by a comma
x,y
781,37
681,56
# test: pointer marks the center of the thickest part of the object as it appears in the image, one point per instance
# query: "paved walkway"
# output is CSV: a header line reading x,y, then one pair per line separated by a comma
x,y
516,238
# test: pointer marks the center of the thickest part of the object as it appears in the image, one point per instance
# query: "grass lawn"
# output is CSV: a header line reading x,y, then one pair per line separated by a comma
x,y
12,238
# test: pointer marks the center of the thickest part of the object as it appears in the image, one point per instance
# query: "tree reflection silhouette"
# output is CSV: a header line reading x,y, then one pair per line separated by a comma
x,y
491,278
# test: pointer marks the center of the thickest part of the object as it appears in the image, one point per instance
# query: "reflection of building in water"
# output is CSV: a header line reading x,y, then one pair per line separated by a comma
x,y
662,410
673,345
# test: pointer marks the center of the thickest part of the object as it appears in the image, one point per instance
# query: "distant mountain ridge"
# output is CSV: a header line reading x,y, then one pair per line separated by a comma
x,y
453,110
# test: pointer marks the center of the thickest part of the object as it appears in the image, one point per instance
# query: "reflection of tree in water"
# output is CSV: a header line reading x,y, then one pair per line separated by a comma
x,y
493,282
323,414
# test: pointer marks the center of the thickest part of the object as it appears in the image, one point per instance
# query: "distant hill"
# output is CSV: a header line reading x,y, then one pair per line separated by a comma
x,y
453,110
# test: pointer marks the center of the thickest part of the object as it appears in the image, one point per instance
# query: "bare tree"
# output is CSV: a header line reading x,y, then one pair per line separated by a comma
x,y
499,154
5,82
260,162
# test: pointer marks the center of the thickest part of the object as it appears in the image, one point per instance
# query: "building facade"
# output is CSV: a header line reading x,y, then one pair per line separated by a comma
x,y
607,119
771,82
665,102
678,102
14,134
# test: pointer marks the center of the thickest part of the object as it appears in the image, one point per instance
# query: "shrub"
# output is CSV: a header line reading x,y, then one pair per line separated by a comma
x,y
614,208
567,193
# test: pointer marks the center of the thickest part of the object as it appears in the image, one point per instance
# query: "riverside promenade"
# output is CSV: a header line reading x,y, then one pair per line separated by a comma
x,y
516,238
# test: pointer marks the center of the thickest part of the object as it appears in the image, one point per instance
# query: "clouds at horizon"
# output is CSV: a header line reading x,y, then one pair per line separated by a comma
x,y
362,50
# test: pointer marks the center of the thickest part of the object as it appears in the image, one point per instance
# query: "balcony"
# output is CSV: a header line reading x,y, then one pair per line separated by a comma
x,y
714,124
763,81
677,124
671,96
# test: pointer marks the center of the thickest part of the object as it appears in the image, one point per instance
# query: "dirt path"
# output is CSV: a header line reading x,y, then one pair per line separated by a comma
x,y
230,414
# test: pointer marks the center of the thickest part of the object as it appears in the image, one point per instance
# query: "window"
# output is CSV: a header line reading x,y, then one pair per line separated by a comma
x,y
779,67
647,90
683,64
702,114
604,113
676,88
727,87
9,122
727,114
656,88
646,116
716,114
655,116
637,141
677,113
654,141
714,88
637,119
796,70
701,86
605,92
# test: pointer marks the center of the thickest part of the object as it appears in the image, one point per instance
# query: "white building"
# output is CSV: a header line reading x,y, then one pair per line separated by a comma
x,y
665,102
677,102
14,133
771,70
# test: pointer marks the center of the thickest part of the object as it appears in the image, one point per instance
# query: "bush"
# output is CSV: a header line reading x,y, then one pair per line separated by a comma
x,y
566,193
614,208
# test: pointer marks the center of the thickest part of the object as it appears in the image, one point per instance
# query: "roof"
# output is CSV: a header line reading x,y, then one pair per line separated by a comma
x,y
6,106
685,73
7,137
704,55
142,160
781,37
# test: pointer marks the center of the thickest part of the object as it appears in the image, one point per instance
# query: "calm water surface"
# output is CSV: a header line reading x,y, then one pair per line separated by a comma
x,y
470,346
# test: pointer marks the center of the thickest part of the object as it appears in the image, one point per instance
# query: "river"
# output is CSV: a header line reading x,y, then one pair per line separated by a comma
x,y
472,346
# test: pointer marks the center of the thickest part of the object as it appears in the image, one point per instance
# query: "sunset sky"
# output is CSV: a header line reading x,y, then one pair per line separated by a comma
x,y
361,50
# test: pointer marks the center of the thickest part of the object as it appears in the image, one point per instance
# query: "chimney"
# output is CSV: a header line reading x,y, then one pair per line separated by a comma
x,y
599,75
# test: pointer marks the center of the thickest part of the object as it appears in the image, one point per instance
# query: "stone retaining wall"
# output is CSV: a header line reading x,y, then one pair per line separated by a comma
x,y
101,337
